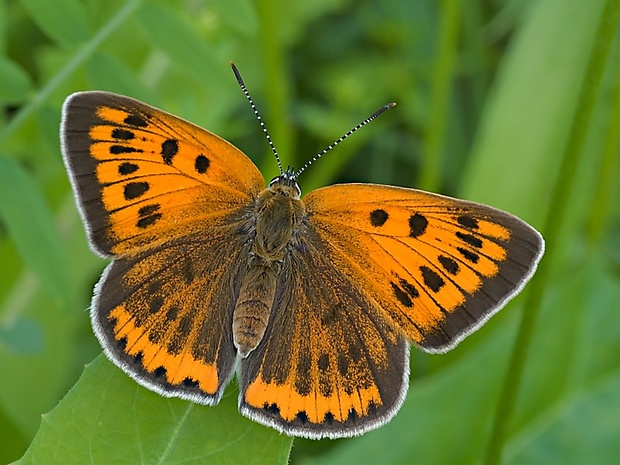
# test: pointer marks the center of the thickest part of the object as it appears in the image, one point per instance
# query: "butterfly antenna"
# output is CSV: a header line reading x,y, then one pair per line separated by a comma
x,y
335,143
258,117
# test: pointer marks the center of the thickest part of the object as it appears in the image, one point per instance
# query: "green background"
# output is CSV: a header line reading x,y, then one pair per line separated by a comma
x,y
507,102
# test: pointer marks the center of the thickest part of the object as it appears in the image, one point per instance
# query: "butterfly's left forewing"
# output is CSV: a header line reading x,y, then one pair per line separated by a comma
x,y
143,176
171,203
438,266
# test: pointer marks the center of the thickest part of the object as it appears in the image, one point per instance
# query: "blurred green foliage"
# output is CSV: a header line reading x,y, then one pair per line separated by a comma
x,y
488,99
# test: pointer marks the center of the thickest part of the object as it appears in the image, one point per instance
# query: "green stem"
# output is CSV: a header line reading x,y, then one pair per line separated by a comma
x,y
443,76
80,57
553,225
603,198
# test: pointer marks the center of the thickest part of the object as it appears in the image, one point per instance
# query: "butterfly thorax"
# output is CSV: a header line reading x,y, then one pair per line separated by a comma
x,y
277,214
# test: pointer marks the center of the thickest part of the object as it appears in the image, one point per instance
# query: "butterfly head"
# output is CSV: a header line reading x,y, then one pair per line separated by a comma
x,y
287,181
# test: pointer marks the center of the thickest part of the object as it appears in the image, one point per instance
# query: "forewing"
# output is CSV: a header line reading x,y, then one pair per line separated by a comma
x,y
143,177
330,364
438,266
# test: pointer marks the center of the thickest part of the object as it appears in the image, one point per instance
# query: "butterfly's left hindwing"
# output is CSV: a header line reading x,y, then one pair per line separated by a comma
x,y
165,317
439,267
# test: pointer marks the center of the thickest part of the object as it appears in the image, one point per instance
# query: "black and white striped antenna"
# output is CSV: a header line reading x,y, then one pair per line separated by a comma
x,y
258,117
322,152
387,106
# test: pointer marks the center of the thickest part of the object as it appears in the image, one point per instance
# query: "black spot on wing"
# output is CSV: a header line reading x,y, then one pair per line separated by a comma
x,y
169,149
123,134
449,264
378,217
133,190
432,279
126,168
148,215
468,255
119,149
469,239
136,120
417,225
401,295
201,164
467,221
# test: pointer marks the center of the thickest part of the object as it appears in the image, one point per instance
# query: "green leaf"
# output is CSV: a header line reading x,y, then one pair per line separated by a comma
x,y
15,84
108,418
582,429
31,226
106,72
526,120
580,424
240,15
62,20
23,336
179,40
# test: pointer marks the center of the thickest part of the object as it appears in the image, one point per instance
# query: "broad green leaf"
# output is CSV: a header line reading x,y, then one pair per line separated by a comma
x,y
108,418
579,423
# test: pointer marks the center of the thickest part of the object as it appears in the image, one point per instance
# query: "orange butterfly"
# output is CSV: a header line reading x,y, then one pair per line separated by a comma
x,y
314,302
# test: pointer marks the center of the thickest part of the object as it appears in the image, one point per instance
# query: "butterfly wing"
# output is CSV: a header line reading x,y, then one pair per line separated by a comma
x,y
438,267
165,317
143,176
169,201
330,363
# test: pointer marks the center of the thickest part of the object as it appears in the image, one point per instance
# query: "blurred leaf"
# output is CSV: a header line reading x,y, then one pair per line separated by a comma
x,y
567,435
579,424
183,45
23,336
240,15
107,72
527,117
62,20
13,440
15,84
31,226
108,418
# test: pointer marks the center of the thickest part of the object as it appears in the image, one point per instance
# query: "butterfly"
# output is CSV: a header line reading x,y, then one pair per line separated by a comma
x,y
313,302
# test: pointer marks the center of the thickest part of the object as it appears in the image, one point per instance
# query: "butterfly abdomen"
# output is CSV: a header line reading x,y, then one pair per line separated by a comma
x,y
276,215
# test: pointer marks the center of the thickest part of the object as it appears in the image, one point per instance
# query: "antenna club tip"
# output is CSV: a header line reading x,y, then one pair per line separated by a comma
x,y
237,74
389,105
